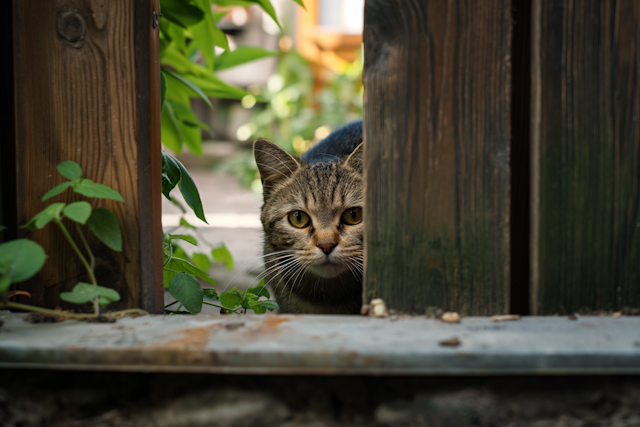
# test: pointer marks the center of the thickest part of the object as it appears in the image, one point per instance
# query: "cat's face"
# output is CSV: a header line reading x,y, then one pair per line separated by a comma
x,y
314,214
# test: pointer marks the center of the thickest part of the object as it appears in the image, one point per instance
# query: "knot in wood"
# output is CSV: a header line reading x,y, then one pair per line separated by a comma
x,y
72,28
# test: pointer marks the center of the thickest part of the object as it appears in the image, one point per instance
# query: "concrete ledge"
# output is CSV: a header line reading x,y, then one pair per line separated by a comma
x,y
351,345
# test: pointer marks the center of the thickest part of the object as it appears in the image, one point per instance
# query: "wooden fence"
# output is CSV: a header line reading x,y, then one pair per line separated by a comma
x,y
86,79
502,148
487,166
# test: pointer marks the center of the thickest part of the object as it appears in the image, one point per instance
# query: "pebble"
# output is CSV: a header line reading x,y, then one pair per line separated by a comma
x,y
451,317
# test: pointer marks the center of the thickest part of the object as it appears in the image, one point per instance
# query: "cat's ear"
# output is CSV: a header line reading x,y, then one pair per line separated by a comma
x,y
274,163
355,160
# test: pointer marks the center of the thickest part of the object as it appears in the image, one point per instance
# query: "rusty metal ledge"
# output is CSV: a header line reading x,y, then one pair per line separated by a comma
x,y
288,344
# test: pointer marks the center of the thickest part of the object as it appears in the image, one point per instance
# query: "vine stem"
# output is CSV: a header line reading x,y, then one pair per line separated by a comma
x,y
92,259
96,306
75,248
71,315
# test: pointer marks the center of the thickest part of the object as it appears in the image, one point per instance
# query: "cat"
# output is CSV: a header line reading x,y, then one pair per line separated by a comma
x,y
312,219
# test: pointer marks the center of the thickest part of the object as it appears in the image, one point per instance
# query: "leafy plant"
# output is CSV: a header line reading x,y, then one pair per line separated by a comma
x,y
21,259
181,271
188,33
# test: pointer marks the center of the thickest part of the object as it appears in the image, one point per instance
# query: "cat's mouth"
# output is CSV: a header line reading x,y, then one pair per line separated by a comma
x,y
328,269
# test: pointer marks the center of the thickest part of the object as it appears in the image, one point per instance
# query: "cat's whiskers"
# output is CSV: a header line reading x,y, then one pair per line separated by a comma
x,y
303,271
295,269
261,257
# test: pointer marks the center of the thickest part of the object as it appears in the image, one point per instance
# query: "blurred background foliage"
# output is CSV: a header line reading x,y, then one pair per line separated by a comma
x,y
204,52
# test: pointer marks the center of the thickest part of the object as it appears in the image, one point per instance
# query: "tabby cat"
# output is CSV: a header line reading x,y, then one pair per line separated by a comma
x,y
313,223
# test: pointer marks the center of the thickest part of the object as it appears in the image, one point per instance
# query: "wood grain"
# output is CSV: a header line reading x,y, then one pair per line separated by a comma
x,y
75,80
437,130
587,156
149,146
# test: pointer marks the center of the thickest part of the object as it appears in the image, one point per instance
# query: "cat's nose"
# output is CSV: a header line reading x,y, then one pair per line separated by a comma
x,y
326,247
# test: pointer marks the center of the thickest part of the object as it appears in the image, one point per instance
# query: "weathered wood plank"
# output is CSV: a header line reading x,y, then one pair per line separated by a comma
x,y
586,136
149,146
437,129
76,99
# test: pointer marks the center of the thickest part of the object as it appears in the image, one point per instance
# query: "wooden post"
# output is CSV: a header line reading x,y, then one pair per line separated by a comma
x,y
437,130
85,84
586,155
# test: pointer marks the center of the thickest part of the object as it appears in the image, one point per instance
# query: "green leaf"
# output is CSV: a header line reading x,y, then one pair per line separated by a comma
x,y
190,192
211,294
84,292
300,3
184,237
216,88
103,302
47,215
243,3
56,190
88,188
70,170
268,7
21,259
178,252
201,261
206,34
231,299
5,284
163,89
184,223
185,115
181,12
2,228
241,55
104,224
170,173
170,132
268,304
217,16
192,138
192,88
177,265
260,290
222,254
187,290
178,205
78,212
257,309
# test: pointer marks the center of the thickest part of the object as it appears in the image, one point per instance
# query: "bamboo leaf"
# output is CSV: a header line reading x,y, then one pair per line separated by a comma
x,y
174,77
241,55
163,89
181,12
184,237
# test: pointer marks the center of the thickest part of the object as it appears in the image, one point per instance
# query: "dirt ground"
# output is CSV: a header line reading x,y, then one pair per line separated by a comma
x,y
77,399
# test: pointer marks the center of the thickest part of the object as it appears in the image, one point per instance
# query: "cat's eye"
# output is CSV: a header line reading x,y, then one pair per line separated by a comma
x,y
299,219
352,216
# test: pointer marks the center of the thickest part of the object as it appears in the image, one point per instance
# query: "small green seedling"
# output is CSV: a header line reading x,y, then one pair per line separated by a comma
x,y
21,259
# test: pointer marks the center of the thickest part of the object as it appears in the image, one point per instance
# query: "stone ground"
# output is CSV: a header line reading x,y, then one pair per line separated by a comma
x,y
93,399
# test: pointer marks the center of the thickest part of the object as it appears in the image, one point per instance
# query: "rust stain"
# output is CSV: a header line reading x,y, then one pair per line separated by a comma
x,y
193,338
273,321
